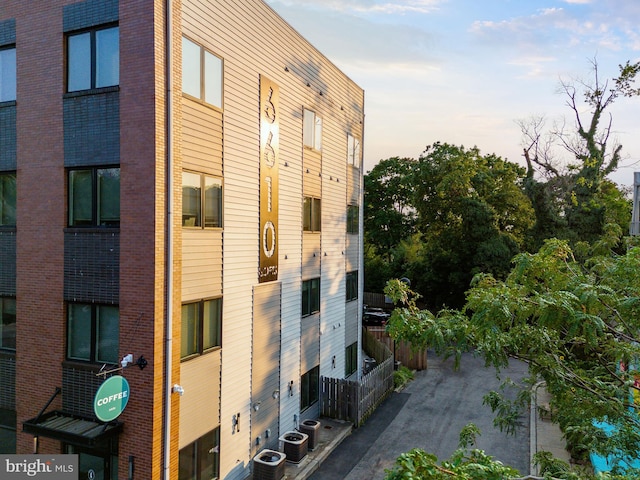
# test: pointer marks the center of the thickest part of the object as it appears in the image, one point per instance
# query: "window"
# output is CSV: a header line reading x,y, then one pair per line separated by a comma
x,y
99,462
194,203
200,460
93,332
8,323
201,73
309,388
8,430
201,327
312,130
94,197
312,214
8,74
7,199
353,151
353,219
351,359
310,296
93,59
352,286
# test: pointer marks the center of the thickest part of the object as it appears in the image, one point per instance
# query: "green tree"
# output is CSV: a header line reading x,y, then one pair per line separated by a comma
x,y
466,463
576,325
389,218
472,217
575,201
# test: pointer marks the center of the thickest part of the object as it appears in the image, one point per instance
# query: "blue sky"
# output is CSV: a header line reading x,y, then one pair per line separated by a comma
x,y
465,71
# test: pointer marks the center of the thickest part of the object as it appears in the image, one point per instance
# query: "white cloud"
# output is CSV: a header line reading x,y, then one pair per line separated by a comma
x,y
461,71
353,39
368,6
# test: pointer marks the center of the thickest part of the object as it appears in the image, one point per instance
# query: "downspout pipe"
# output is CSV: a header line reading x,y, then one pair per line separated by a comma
x,y
169,240
361,245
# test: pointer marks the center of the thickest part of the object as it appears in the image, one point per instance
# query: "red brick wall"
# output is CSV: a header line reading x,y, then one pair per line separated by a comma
x,y
42,218
41,210
142,240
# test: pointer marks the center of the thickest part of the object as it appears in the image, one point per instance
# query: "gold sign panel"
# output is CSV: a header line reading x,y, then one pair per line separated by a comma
x,y
269,156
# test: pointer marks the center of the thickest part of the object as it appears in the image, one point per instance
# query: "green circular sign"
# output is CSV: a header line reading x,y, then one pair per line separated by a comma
x,y
111,398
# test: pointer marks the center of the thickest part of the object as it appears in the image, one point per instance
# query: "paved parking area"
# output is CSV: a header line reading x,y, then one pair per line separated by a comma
x,y
429,414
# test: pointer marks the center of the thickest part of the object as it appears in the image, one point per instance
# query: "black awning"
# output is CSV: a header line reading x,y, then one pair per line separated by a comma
x,y
71,428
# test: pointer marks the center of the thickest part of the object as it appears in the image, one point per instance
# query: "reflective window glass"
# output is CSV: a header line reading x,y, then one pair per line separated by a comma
x,y
7,74
107,57
79,62
191,68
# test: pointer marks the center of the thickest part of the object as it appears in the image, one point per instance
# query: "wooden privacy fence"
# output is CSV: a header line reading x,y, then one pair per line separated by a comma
x,y
378,300
401,350
353,400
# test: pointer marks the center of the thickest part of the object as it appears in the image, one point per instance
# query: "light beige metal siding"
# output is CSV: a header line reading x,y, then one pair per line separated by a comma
x,y
311,255
353,185
352,252
252,41
201,138
310,339
351,323
201,264
312,173
200,404
265,368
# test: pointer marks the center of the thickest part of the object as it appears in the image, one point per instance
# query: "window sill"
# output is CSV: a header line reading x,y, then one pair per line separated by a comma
x,y
202,102
196,228
87,366
312,149
91,91
92,229
8,103
304,409
7,353
198,355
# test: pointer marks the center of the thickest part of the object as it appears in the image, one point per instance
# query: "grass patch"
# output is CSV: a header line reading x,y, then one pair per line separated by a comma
x,y
402,376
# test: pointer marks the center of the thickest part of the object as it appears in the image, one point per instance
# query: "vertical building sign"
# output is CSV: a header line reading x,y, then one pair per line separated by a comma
x,y
269,153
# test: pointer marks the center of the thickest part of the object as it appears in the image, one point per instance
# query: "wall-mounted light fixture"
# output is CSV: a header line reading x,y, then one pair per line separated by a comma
x,y
178,389
276,394
235,422
256,406
291,388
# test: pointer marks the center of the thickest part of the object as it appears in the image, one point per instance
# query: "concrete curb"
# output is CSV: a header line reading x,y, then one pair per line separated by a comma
x,y
533,428
311,466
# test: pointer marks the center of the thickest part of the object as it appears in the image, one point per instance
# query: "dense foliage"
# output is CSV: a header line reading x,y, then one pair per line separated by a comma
x,y
455,212
527,263
439,220
465,463
576,325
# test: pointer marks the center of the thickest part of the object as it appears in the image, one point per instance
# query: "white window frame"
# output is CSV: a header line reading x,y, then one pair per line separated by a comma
x,y
353,151
312,130
206,80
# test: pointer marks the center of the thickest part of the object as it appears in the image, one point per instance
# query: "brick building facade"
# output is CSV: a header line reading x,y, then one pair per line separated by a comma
x,y
180,181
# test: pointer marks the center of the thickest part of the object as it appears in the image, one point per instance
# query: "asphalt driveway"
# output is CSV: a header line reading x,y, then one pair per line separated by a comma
x,y
429,414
